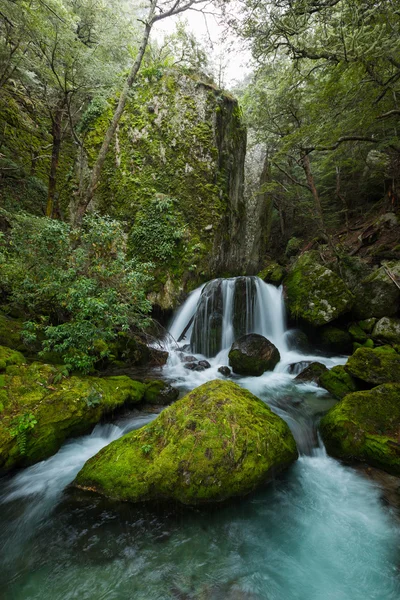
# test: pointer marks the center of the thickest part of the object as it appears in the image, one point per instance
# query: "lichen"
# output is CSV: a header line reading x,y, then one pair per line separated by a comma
x,y
217,442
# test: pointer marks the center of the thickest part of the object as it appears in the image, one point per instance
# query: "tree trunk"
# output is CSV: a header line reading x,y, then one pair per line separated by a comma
x,y
342,199
305,161
96,172
55,156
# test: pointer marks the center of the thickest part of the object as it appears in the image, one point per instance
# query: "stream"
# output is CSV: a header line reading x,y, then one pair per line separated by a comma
x,y
318,532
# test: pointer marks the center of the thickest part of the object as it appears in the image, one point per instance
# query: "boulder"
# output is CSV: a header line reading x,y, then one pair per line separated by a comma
x,y
200,365
358,334
365,426
225,371
376,295
314,292
160,392
297,340
311,373
217,442
272,273
253,354
374,366
336,340
338,382
293,246
387,330
40,408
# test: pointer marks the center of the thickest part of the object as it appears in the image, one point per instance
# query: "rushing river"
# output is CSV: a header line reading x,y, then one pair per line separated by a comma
x,y
319,532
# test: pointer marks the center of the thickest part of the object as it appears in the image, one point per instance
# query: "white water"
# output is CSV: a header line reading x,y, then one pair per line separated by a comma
x,y
319,533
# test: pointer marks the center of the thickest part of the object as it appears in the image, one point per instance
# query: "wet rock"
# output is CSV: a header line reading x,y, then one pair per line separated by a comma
x,y
225,371
376,295
273,273
338,382
312,373
375,366
298,367
187,358
243,301
253,354
200,365
206,335
365,426
160,392
314,292
336,340
297,340
217,442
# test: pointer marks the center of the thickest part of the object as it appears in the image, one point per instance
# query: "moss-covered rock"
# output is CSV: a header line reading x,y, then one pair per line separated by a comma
x,y
293,246
338,382
217,442
60,406
387,330
334,339
357,333
311,373
160,392
365,426
252,355
272,273
376,295
10,357
180,138
374,366
367,325
314,292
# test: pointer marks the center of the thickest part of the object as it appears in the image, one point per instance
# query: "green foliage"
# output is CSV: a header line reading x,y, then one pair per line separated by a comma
x,y
81,279
157,230
19,428
93,398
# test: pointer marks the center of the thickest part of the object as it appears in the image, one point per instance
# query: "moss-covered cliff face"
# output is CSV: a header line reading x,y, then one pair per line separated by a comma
x,y
179,152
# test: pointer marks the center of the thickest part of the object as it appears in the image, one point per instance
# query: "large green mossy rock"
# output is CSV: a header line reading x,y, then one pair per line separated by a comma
x,y
366,426
272,273
10,333
376,295
387,330
374,366
338,382
315,293
61,407
217,442
10,357
252,355
335,339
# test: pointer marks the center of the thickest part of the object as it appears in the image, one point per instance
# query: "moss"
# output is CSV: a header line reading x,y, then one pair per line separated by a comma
x,y
336,340
338,382
314,292
217,442
160,392
387,330
272,273
367,325
293,246
358,334
311,373
10,357
62,407
375,295
10,333
374,366
186,149
366,426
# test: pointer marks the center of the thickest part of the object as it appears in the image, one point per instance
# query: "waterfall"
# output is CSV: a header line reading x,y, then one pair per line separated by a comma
x,y
218,313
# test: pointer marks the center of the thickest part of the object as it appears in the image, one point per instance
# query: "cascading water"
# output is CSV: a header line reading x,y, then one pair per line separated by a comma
x,y
320,532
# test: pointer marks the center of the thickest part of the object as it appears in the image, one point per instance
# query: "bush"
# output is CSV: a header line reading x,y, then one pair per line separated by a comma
x,y
78,286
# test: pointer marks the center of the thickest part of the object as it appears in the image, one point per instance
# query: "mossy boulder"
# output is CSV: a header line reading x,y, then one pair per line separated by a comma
x,y
10,333
160,392
376,295
357,333
311,373
338,382
10,357
61,407
365,426
253,354
293,246
387,330
374,366
272,273
335,339
315,293
217,442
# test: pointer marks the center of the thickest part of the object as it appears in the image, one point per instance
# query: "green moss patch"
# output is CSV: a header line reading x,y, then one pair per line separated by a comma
x,y
374,366
338,382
